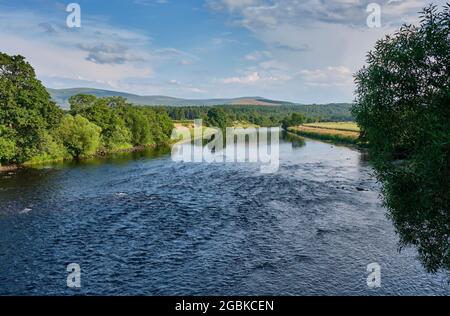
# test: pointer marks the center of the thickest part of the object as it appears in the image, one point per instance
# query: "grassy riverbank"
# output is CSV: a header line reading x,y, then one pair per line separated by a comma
x,y
342,132
100,154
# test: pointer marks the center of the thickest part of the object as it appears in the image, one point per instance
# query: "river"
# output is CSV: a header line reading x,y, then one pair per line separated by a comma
x,y
141,224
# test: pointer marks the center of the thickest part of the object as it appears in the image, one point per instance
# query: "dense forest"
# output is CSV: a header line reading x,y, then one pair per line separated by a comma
x,y
403,109
267,115
34,129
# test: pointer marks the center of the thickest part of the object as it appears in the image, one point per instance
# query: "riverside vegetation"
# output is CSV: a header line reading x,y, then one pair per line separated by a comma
x,y
403,109
34,129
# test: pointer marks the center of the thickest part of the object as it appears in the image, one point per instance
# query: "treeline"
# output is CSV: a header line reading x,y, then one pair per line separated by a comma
x,y
222,118
34,129
266,115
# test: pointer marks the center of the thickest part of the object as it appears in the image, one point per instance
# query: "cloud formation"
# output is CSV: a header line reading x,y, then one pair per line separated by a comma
x,y
299,50
110,53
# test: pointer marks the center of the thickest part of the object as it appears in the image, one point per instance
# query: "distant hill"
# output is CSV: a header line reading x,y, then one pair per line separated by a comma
x,y
61,97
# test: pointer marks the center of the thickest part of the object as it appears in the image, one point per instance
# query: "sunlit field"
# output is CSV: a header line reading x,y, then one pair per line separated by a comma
x,y
341,126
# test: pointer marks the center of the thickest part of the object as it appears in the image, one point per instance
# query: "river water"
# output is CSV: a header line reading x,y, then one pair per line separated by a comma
x,y
141,224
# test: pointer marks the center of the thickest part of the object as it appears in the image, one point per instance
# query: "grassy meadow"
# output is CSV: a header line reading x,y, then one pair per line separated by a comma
x,y
343,132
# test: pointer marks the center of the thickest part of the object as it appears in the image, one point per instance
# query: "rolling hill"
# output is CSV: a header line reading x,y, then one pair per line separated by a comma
x,y
61,97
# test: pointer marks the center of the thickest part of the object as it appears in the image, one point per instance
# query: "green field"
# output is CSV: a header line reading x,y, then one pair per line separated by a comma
x,y
340,126
343,132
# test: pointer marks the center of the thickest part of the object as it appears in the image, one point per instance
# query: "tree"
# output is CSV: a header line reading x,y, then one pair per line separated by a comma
x,y
81,101
294,119
25,108
403,109
217,118
7,145
79,136
118,138
139,126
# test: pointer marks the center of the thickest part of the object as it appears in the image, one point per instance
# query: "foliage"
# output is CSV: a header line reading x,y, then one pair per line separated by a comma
x,y
79,136
267,116
7,145
294,119
33,129
217,118
49,150
102,112
81,101
117,139
403,109
25,109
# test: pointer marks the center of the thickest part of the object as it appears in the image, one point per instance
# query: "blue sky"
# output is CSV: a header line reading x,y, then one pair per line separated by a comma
x,y
302,51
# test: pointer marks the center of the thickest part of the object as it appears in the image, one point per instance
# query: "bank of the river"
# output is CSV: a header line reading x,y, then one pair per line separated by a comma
x,y
327,133
99,154
179,126
9,168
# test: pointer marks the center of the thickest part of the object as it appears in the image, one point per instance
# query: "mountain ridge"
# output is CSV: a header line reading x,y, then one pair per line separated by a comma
x,y
61,97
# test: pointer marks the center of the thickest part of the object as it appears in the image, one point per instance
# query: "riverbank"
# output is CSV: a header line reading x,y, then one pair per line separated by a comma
x,y
99,154
9,168
102,153
340,135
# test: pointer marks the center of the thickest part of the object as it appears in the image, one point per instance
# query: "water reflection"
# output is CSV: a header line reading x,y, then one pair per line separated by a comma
x,y
296,140
420,211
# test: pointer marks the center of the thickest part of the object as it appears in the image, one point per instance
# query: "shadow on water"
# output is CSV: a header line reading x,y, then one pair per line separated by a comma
x,y
113,159
418,209
420,212
296,140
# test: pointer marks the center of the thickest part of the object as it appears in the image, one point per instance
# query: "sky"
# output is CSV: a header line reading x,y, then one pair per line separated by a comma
x,y
303,51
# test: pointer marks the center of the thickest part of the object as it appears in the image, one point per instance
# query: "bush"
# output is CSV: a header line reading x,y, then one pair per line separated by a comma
x,y
7,149
79,136
117,139
49,150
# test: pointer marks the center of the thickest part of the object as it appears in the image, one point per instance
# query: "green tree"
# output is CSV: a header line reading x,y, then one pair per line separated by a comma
x,y
50,149
7,145
25,108
139,126
294,119
118,138
403,109
104,113
80,101
79,136
217,118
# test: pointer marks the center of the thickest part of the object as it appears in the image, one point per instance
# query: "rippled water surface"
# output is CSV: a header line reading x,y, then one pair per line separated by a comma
x,y
145,225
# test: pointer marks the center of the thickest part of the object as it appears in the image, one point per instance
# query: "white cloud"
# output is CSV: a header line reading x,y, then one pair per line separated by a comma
x,y
95,55
256,14
254,77
303,38
329,76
